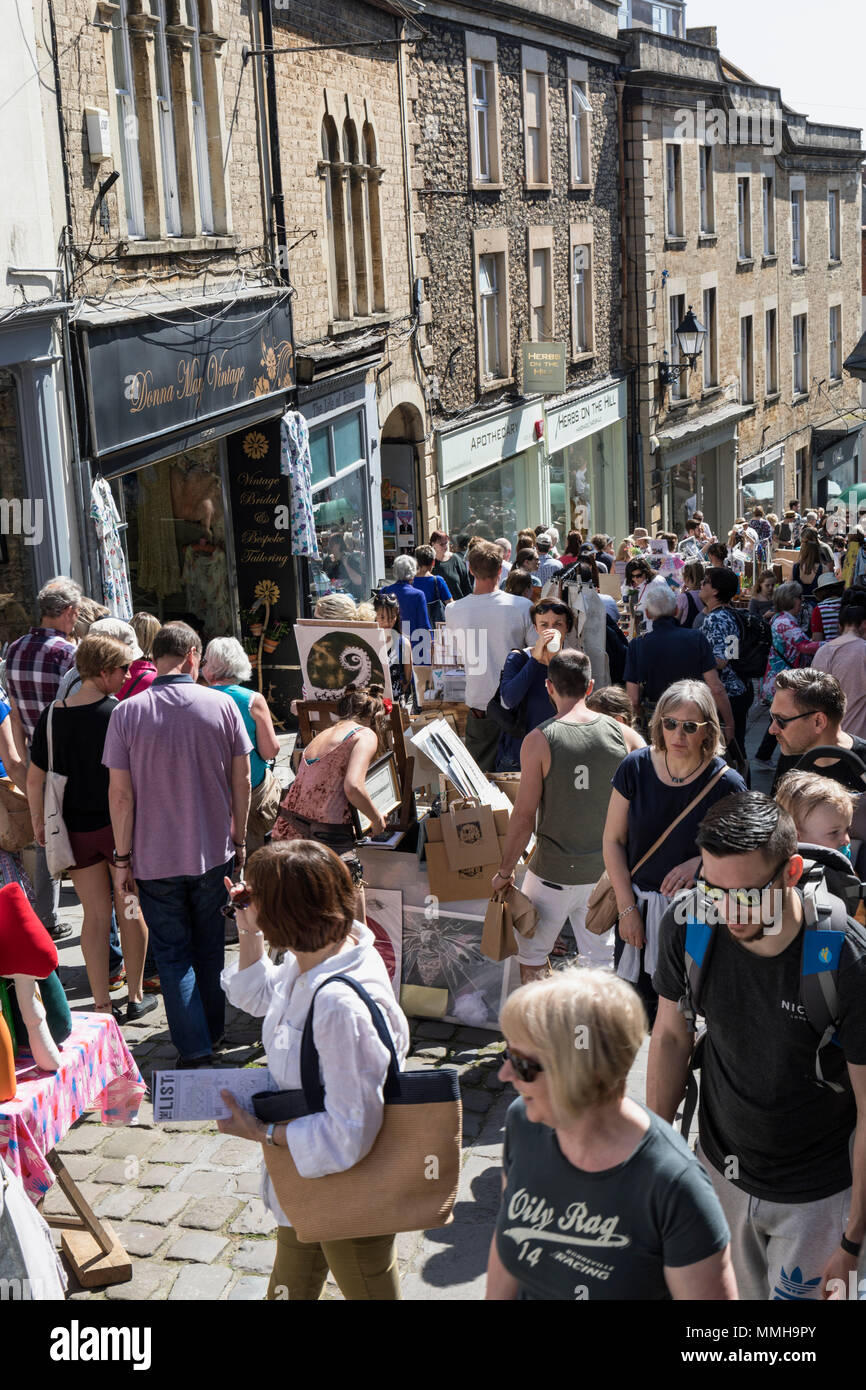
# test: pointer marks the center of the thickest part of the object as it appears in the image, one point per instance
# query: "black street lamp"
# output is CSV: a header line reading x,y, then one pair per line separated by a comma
x,y
690,340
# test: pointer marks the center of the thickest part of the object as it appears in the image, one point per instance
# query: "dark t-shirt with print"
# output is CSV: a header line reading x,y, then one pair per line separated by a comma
x,y
566,1234
839,771
764,1121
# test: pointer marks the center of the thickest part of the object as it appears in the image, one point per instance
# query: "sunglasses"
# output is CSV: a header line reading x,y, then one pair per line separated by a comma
x,y
689,726
783,720
526,1070
743,897
240,901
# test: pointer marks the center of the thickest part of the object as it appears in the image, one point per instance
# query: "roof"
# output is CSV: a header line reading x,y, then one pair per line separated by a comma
x,y
855,365
705,423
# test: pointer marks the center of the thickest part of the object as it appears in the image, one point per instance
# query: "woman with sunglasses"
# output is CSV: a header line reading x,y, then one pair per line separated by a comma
x,y
651,787
601,1199
78,728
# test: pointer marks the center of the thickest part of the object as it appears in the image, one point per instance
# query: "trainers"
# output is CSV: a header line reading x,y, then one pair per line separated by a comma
x,y
191,1063
117,981
60,932
144,1006
150,984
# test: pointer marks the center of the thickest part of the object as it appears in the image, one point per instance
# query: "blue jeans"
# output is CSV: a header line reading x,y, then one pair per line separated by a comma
x,y
187,931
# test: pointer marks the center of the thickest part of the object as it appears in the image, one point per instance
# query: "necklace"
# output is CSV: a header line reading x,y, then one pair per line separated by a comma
x,y
677,781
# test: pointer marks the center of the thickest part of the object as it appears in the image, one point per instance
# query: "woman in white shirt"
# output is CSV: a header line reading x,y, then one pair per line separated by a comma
x,y
299,897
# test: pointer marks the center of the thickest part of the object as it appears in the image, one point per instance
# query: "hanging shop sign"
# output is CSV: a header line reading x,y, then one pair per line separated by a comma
x,y
151,376
476,446
544,368
584,415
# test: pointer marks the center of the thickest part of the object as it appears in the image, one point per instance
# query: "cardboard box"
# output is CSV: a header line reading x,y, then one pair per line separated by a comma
x,y
449,884
469,834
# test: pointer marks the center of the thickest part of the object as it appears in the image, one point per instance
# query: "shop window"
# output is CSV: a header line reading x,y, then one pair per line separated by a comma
x,y
675,219
341,510
595,478
798,227
127,123
835,217
708,195
836,342
483,103
801,355
175,538
747,359
768,195
492,503
771,344
744,219
711,346
535,118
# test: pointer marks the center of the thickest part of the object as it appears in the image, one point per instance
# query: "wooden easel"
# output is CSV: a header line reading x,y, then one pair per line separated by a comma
x,y
93,1250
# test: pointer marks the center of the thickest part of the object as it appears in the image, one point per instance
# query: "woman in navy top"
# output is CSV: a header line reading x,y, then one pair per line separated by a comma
x,y
432,586
414,617
523,684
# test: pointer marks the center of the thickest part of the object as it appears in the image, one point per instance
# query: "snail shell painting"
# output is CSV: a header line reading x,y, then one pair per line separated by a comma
x,y
341,659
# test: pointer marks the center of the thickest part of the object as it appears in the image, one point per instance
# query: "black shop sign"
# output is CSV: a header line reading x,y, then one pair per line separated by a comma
x,y
151,376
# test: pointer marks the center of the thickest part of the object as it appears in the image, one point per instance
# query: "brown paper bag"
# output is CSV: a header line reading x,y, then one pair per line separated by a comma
x,y
524,917
497,936
469,833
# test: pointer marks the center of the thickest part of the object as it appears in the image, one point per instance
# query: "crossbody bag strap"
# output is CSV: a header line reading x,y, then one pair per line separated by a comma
x,y
50,734
314,1093
673,825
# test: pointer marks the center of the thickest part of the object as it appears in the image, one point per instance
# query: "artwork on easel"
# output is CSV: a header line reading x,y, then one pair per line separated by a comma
x,y
442,950
385,920
335,656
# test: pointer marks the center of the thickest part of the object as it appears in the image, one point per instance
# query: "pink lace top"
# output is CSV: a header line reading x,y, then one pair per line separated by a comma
x,y
317,791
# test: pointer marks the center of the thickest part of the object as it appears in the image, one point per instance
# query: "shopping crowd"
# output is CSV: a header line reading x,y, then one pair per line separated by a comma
x,y
610,684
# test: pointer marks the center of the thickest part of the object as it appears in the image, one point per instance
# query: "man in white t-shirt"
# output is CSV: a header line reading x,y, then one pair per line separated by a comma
x,y
489,624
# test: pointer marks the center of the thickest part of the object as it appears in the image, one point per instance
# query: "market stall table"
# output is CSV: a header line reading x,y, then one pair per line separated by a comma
x,y
98,1072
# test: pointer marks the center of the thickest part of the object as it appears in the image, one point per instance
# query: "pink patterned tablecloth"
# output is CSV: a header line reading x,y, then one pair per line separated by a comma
x,y
97,1072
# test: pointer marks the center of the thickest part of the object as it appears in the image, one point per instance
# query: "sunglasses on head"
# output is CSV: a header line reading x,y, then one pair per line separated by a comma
x,y
526,1069
689,726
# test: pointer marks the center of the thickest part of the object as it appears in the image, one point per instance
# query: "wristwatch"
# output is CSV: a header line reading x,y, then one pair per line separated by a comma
x,y
851,1247
269,1134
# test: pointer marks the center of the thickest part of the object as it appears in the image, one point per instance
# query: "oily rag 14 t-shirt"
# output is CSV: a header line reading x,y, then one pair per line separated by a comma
x,y
760,1103
567,1235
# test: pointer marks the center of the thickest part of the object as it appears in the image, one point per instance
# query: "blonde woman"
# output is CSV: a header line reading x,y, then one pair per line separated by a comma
x,y
601,1199
142,672
651,787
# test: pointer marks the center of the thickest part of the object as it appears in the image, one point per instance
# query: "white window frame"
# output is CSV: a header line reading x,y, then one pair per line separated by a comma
x,y
744,217
679,385
747,359
834,219
480,118
800,352
199,121
768,213
579,124
835,344
488,270
707,189
771,350
582,290
481,51
798,226
542,309
534,66
127,121
710,318
492,242
165,116
674,208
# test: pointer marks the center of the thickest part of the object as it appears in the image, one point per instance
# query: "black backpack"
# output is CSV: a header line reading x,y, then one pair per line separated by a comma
x,y
756,638
616,646
691,611
510,721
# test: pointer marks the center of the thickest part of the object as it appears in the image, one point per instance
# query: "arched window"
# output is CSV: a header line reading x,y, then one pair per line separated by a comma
x,y
199,120
374,217
356,218
335,222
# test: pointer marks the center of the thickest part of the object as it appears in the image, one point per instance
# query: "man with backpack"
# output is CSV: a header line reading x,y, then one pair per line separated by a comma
x,y
732,639
779,973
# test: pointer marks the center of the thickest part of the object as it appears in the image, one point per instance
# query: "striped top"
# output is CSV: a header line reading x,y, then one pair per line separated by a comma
x,y
825,618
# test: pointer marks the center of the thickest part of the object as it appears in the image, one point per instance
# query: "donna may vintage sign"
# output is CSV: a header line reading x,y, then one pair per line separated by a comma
x,y
149,376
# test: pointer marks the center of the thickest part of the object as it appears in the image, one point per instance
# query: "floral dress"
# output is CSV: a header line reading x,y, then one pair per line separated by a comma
x,y
791,648
296,464
115,582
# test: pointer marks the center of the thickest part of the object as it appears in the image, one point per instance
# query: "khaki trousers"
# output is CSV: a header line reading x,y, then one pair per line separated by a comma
x,y
365,1269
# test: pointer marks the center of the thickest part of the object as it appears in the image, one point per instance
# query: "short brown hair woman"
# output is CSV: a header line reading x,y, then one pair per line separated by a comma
x,y
299,897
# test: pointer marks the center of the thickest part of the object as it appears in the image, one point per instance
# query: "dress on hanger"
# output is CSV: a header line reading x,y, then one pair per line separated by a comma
x,y
297,465
115,581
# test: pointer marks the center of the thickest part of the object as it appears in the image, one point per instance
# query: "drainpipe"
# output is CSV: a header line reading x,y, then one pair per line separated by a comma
x,y
636,468
278,202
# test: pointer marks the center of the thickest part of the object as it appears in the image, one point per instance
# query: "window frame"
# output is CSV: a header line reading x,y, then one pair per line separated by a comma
x,y
768,213
798,243
533,63
747,359
674,199
744,219
481,49
492,241
710,311
579,125
539,243
706,190
771,351
834,199
126,111
800,389
581,239
172,210
679,386
835,342
199,123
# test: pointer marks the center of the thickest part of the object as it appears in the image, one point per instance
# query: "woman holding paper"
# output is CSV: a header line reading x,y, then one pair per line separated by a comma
x,y
300,899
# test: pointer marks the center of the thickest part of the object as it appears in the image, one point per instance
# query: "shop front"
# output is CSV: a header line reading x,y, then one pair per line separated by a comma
x,y
490,474
762,483
838,460
695,470
587,462
183,423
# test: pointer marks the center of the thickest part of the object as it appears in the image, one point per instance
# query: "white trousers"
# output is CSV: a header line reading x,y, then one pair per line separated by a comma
x,y
555,906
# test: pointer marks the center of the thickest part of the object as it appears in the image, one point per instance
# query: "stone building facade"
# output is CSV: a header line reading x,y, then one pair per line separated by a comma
x,y
746,212
517,224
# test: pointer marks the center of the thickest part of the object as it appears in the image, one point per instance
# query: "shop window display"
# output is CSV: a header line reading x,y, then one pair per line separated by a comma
x,y
492,503
341,510
176,540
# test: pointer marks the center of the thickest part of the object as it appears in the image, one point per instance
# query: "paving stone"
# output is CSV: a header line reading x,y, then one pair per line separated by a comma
x,y
82,1139
82,1166
140,1239
247,1184
257,1255
162,1208
492,1081
434,1029
237,1153
120,1171
157,1175
197,1282
472,1124
254,1220
212,1213
56,1201
130,1141
182,1126
419,1063
162,1052
180,1148
201,1182
119,1203
435,1054
196,1247
477,1100
480,1190
150,1279
476,1037
249,1288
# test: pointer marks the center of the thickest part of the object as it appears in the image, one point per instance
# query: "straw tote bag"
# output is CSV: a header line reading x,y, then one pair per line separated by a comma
x,y
58,850
408,1180
16,827
601,910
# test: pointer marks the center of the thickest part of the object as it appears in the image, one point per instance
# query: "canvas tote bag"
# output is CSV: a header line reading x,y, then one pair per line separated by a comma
x,y
601,910
16,827
264,804
408,1180
58,850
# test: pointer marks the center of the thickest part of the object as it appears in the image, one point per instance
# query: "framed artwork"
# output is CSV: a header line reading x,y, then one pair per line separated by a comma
x,y
382,785
334,656
385,920
442,950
